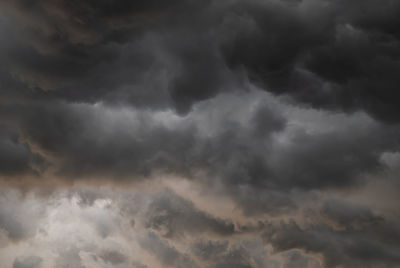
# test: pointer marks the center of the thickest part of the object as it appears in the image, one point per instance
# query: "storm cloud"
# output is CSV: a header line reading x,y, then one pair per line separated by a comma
x,y
188,133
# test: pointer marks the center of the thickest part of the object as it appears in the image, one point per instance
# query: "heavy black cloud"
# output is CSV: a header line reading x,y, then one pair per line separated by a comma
x,y
324,53
272,105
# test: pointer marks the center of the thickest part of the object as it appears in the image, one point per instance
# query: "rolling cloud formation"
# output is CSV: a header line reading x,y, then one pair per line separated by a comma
x,y
199,133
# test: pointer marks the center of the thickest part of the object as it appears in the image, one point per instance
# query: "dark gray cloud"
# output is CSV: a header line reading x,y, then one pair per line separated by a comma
x,y
164,252
240,149
16,157
28,262
358,238
209,249
113,257
148,59
323,53
218,254
69,257
279,108
348,215
272,37
138,265
297,260
174,216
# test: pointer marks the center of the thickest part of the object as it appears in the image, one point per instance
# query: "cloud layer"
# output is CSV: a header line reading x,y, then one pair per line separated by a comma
x,y
188,133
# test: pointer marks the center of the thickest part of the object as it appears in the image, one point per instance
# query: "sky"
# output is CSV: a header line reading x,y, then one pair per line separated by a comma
x,y
199,133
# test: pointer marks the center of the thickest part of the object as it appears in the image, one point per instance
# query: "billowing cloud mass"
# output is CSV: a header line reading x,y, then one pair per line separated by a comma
x,y
200,133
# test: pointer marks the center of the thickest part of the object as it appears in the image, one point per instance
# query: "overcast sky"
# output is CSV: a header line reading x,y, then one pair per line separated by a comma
x,y
200,133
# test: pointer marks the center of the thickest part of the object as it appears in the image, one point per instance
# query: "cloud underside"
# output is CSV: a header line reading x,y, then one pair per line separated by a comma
x,y
199,133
